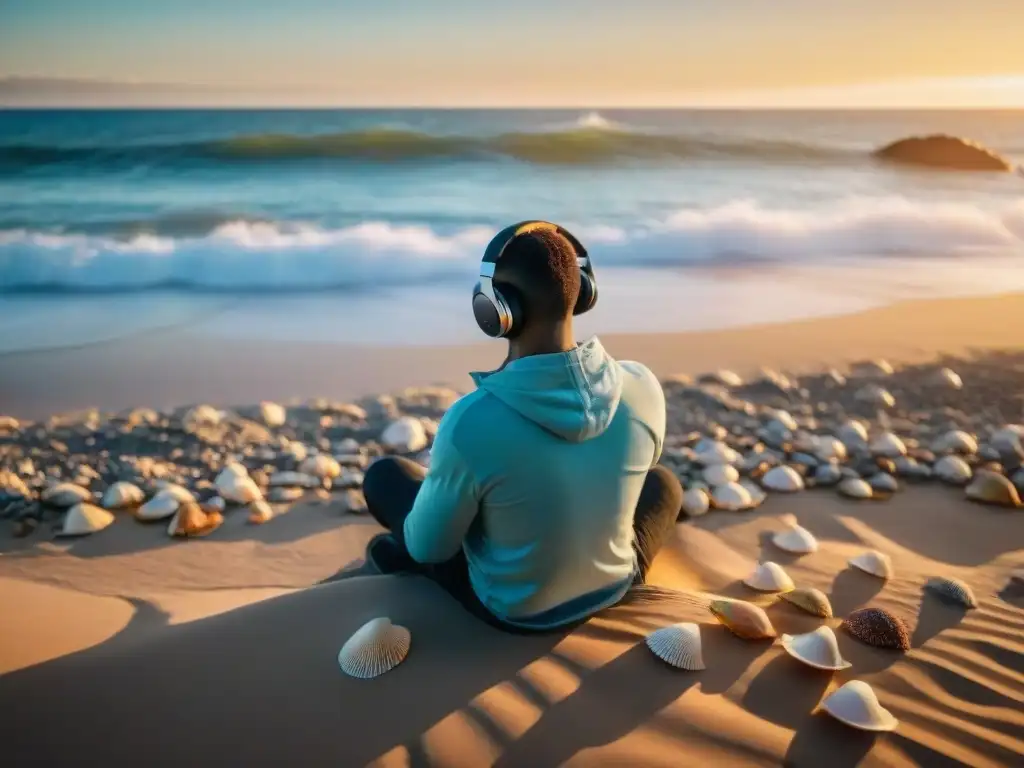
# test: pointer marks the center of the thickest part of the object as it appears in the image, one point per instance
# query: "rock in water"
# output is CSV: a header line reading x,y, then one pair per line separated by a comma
x,y
405,435
942,151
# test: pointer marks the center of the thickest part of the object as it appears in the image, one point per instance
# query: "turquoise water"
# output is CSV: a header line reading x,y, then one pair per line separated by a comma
x,y
714,215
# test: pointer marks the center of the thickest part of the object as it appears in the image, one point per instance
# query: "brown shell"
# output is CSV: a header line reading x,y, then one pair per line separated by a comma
x,y
811,600
743,619
953,591
192,521
878,627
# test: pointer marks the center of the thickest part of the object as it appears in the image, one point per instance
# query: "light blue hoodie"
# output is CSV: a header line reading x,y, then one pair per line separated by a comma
x,y
536,476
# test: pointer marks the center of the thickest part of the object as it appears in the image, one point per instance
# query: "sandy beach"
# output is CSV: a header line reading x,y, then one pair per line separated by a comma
x,y
130,647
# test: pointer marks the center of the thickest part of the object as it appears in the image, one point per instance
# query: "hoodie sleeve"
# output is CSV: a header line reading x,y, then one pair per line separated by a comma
x,y
446,505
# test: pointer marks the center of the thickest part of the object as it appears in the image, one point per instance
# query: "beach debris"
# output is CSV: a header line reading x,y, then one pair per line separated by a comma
x,y
164,504
811,600
234,485
993,488
731,497
321,466
272,414
65,495
405,435
83,519
873,562
260,512
878,368
696,502
955,441
889,445
191,521
377,647
293,480
818,649
856,705
678,645
720,474
878,627
797,540
122,495
743,619
947,377
855,488
952,591
769,577
953,470
783,478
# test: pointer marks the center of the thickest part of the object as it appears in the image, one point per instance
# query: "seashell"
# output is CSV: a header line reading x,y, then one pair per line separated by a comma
x,y
12,485
164,504
285,494
853,434
296,450
952,470
876,395
716,453
871,368
83,519
888,444
757,494
377,647
818,649
784,418
321,466
883,482
828,448
782,478
797,540
732,497
214,504
743,619
947,377
272,414
993,488
696,502
237,487
856,705
720,474
814,601
874,562
723,378
405,435
953,591
121,495
293,480
678,645
769,577
1007,440
827,474
855,488
956,441
260,512
201,416
65,495
878,627
191,520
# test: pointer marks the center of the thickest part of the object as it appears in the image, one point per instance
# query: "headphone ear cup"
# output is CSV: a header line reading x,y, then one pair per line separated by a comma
x,y
588,294
510,296
487,315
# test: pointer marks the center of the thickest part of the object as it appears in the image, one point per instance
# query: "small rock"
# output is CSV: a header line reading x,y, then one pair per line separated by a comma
x,y
405,435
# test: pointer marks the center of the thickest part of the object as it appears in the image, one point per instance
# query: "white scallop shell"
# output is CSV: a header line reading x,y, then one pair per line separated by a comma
x,y
377,647
956,441
818,649
405,435
696,502
720,474
83,519
874,562
237,488
293,480
64,495
678,645
122,494
769,577
952,469
164,504
888,444
797,540
716,453
856,705
321,466
855,488
273,415
782,478
732,497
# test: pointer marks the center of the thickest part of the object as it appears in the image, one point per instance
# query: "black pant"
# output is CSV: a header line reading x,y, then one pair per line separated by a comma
x,y
391,485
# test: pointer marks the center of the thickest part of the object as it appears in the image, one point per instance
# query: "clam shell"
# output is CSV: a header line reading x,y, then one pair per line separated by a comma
x,y
883,482
853,434
164,504
856,705
237,487
696,502
782,478
814,601
797,539
260,512
956,441
377,647
872,368
121,495
855,488
874,562
715,452
818,649
878,627
732,497
953,591
757,493
947,377
993,488
191,521
876,395
828,448
83,519
743,619
720,474
678,645
952,470
321,466
769,577
827,474
888,444
65,495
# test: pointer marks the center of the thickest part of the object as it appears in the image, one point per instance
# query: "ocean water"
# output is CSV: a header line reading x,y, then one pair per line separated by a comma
x,y
367,226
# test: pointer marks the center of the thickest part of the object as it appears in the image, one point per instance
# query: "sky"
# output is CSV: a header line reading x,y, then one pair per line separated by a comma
x,y
524,52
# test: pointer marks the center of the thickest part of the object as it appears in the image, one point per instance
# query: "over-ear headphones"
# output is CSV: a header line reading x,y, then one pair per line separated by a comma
x,y
499,313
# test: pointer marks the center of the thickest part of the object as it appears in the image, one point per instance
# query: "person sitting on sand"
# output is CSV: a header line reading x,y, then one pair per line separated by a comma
x,y
543,503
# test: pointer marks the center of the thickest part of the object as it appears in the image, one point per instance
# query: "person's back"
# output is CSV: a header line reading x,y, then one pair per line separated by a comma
x,y
541,490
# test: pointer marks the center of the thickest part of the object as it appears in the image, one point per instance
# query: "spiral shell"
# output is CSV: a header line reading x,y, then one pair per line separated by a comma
x,y
878,627
678,645
743,619
953,591
814,601
377,647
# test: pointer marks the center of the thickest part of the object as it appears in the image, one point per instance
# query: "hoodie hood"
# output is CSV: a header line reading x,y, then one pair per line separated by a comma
x,y
573,394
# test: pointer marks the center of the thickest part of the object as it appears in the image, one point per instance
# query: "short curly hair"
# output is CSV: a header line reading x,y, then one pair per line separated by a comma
x,y
541,265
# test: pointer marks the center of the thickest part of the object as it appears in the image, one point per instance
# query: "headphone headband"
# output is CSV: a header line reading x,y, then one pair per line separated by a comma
x,y
496,248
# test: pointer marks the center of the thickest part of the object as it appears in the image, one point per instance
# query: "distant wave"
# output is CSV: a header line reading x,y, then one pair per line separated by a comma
x,y
591,141
248,256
